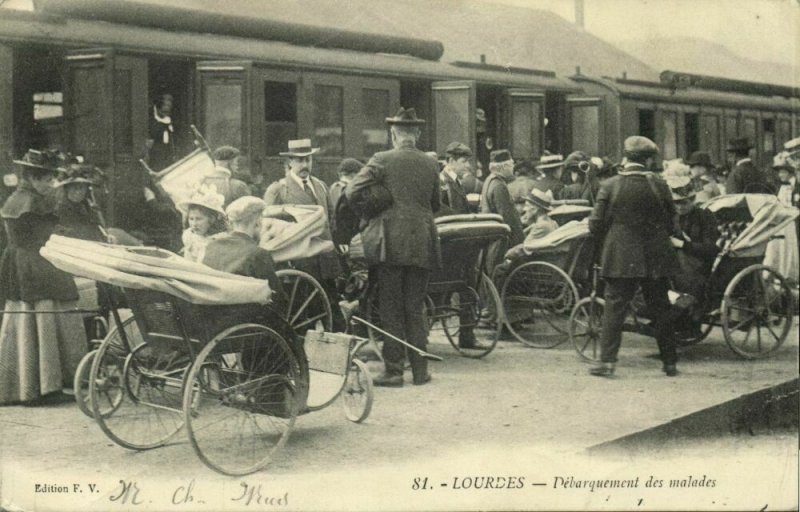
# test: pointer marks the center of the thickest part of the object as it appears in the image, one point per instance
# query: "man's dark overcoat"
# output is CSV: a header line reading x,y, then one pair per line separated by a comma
x,y
495,198
404,233
635,216
747,178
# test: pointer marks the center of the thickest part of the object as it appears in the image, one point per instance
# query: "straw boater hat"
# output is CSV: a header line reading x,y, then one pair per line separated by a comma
x,y
543,200
681,188
781,161
205,196
550,162
405,116
299,148
792,146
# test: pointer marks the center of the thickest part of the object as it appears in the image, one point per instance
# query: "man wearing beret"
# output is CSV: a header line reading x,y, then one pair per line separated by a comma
x,y
635,217
495,198
745,176
401,242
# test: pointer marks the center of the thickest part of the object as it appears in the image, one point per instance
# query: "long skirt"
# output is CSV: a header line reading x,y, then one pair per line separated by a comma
x,y
782,254
39,352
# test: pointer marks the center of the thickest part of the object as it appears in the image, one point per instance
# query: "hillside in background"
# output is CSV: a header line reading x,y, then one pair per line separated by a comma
x,y
708,58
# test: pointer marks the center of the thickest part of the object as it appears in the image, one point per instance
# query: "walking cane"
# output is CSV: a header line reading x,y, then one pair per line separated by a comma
x,y
419,351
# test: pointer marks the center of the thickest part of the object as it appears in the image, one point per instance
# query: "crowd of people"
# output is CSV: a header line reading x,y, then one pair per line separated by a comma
x,y
650,234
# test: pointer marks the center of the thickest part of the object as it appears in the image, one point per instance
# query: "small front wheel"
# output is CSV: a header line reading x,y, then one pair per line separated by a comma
x,y
357,394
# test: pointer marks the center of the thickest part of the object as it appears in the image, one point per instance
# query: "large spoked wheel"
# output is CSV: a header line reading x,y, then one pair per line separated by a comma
x,y
242,397
135,395
585,327
308,306
757,311
357,393
537,299
482,304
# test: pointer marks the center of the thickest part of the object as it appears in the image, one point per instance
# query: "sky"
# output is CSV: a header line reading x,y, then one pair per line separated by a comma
x,y
767,30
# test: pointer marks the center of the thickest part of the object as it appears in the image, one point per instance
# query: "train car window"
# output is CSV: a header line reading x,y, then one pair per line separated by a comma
x,y
669,126
768,131
222,107
123,129
731,129
749,130
691,130
47,105
586,128
785,130
329,119
647,123
374,135
280,115
710,141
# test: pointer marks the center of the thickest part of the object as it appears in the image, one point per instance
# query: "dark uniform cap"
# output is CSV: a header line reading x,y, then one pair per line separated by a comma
x,y
500,156
406,116
225,153
349,166
457,150
637,144
699,158
739,144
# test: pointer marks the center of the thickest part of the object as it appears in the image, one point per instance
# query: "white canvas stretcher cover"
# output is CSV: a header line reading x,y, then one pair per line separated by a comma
x,y
149,268
556,239
769,217
307,237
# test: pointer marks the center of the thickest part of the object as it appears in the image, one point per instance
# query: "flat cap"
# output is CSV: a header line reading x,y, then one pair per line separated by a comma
x,y
499,156
640,145
245,208
225,153
457,150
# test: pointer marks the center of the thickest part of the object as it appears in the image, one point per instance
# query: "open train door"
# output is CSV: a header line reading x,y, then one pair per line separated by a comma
x,y
454,114
222,100
525,122
106,115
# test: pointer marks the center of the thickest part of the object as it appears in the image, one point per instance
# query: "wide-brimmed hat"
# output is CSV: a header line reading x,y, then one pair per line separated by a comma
x,y
205,196
739,144
700,158
548,161
300,148
406,116
681,188
781,161
543,200
457,150
792,146
44,161
77,173
639,145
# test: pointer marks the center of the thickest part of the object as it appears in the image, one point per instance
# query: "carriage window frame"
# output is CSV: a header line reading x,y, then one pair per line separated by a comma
x,y
668,127
578,137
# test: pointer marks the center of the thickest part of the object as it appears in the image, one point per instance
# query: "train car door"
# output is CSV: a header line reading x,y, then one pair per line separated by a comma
x,y
586,125
454,114
106,114
525,122
222,103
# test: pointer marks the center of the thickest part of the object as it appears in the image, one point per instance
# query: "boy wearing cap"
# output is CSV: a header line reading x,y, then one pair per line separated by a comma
x,y
634,216
238,252
454,186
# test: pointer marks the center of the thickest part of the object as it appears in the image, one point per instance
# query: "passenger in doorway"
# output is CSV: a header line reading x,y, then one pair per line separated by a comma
x,y
300,187
160,149
484,143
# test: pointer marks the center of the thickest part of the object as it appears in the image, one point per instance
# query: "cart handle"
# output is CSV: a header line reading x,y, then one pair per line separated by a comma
x,y
426,355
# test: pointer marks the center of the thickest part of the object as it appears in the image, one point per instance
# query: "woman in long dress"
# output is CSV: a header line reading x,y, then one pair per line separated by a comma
x,y
39,351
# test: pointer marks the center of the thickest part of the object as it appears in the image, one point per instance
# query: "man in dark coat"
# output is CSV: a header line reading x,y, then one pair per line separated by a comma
x,y
550,167
300,187
495,198
635,215
401,242
745,176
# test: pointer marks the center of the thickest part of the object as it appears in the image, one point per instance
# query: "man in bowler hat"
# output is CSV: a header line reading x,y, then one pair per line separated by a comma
x,y
635,217
745,176
401,242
